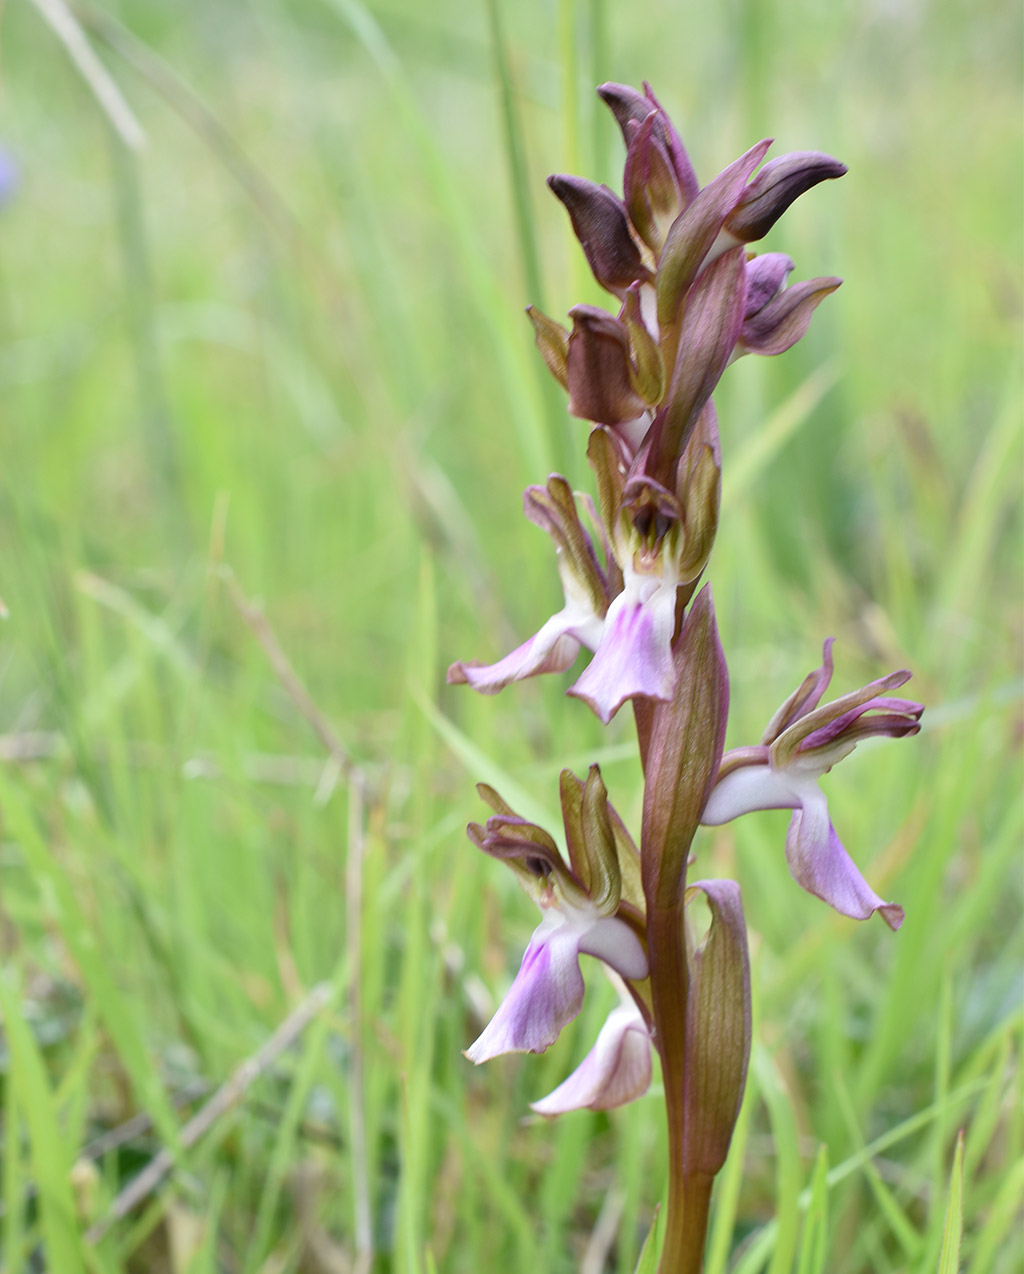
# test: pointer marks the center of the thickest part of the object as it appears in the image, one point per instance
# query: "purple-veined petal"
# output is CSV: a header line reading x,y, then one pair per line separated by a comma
x,y
634,656
820,864
552,649
547,994
617,1069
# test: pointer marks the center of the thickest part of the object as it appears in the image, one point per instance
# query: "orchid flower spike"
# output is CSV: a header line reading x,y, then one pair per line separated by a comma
x,y
801,743
584,912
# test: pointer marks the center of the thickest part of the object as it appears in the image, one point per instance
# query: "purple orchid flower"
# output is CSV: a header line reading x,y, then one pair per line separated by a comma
x,y
584,912
548,989
801,743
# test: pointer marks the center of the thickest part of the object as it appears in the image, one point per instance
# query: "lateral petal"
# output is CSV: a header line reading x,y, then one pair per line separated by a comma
x,y
617,1069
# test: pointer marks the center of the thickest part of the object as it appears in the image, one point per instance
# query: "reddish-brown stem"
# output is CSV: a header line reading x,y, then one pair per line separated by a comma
x,y
687,1209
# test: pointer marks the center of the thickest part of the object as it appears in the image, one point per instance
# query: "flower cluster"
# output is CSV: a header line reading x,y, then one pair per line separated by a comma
x,y
692,298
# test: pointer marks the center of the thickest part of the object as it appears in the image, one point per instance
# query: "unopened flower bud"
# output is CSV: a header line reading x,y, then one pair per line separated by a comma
x,y
600,223
766,276
600,374
775,187
630,109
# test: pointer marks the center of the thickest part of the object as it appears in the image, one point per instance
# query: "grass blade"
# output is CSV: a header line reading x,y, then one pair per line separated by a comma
x,y
949,1257
51,1164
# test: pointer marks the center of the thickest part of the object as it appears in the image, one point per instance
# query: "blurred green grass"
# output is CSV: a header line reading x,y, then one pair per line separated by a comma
x,y
285,338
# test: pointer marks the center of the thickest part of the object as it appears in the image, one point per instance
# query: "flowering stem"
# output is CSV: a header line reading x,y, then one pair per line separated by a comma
x,y
687,1210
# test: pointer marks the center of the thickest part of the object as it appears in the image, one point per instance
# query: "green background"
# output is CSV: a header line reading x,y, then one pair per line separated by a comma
x,y
274,357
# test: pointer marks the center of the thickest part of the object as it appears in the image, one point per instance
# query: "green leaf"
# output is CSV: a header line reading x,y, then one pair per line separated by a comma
x,y
814,1240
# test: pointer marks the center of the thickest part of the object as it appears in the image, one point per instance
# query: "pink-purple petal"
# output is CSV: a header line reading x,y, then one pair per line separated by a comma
x,y
634,656
820,864
546,651
546,995
552,649
617,1069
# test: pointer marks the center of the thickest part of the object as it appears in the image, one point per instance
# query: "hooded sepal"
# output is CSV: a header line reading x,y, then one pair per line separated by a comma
x,y
718,1030
617,1069
631,109
775,187
647,367
600,372
683,754
599,221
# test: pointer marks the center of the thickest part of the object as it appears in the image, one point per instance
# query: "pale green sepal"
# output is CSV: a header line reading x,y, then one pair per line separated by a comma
x,y
599,842
591,839
553,508
698,489
610,468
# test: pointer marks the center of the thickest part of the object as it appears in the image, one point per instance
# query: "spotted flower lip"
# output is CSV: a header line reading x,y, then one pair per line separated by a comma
x,y
617,1069
802,742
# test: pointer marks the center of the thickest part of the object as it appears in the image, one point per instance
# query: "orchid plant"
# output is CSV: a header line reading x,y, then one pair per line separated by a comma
x,y
692,298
